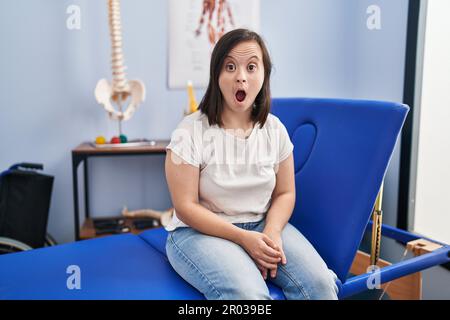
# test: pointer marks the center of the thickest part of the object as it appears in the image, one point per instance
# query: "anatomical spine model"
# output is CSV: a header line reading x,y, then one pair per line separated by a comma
x,y
120,88
209,8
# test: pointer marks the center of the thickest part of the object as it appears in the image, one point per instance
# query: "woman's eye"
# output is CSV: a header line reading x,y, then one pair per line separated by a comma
x,y
251,67
230,67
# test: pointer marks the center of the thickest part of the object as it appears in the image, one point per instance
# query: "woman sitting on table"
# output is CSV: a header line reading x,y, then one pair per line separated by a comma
x,y
230,172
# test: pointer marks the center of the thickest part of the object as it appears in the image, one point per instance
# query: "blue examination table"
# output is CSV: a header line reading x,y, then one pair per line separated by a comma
x,y
342,150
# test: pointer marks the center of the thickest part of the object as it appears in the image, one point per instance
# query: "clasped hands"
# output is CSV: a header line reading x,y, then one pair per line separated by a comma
x,y
266,250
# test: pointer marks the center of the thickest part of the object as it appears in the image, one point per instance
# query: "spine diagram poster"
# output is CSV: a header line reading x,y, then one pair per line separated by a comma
x,y
194,28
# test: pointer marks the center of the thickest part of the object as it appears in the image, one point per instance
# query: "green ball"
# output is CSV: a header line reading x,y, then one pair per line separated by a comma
x,y
123,138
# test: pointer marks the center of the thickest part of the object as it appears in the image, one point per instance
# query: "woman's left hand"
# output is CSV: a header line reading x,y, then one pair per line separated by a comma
x,y
275,236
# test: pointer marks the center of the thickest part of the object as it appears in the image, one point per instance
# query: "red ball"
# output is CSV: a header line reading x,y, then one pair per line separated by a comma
x,y
115,140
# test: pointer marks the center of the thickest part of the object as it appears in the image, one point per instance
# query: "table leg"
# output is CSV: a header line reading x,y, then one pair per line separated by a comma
x,y
86,189
75,162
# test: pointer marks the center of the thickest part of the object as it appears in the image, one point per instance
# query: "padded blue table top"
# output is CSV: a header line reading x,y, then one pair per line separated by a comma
x,y
114,267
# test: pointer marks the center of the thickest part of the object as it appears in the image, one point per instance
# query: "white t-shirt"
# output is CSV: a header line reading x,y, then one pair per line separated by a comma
x,y
237,175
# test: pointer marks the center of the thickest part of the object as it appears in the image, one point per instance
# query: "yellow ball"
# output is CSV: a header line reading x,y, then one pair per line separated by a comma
x,y
100,140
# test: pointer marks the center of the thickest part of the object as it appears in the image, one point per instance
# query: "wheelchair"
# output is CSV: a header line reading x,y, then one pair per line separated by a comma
x,y
24,205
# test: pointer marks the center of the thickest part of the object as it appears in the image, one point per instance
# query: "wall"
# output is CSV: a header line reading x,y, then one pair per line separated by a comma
x,y
49,74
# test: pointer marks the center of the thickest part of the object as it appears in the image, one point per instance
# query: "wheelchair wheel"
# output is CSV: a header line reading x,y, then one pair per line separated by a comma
x,y
49,240
8,245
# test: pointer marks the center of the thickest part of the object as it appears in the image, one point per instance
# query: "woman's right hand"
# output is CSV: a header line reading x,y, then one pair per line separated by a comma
x,y
261,248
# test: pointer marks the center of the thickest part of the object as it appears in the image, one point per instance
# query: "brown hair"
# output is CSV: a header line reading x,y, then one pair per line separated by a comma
x,y
212,102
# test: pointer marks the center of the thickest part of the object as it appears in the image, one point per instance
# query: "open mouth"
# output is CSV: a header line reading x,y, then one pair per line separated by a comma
x,y
240,95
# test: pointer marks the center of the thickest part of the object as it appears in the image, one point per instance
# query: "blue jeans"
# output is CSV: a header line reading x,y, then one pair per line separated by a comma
x,y
221,269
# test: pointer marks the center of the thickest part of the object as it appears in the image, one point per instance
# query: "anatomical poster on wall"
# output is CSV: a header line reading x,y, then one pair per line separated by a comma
x,y
194,28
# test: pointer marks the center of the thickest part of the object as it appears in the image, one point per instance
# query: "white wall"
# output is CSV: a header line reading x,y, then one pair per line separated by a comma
x,y
432,212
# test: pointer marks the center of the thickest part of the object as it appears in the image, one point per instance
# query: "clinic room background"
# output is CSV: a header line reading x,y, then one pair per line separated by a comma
x,y
319,48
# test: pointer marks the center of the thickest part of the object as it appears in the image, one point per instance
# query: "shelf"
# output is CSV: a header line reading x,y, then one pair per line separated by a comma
x,y
88,231
87,148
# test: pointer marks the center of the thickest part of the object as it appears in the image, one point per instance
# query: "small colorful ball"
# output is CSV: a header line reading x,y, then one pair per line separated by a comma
x,y
123,138
115,140
100,140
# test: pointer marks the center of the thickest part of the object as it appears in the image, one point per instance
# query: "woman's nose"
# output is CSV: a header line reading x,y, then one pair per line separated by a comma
x,y
241,77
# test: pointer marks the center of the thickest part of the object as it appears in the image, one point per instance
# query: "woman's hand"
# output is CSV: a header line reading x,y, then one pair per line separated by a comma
x,y
275,236
262,249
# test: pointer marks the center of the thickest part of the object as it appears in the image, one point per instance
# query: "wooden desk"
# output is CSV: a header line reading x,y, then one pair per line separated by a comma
x,y
85,151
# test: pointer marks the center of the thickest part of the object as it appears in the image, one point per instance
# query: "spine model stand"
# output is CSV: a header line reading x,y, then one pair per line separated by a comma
x,y
121,88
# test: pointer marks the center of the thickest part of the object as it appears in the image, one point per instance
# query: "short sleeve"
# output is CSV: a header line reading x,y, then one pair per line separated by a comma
x,y
285,145
185,142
